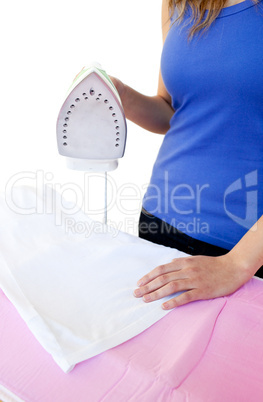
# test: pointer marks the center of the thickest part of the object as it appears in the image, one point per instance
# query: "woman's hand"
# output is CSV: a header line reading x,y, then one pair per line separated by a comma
x,y
198,277
153,113
118,85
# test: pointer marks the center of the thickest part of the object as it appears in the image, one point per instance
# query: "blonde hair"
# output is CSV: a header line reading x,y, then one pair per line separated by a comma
x,y
199,8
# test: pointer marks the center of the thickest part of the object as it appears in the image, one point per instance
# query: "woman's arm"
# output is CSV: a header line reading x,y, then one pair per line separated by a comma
x,y
204,277
153,113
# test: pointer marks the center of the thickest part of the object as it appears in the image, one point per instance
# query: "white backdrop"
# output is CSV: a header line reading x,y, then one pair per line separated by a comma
x,y
44,45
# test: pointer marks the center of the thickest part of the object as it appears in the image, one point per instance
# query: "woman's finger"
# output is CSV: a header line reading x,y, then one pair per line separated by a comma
x,y
168,289
160,282
182,299
163,269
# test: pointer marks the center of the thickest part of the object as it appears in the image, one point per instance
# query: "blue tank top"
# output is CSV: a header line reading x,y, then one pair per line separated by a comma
x,y
208,177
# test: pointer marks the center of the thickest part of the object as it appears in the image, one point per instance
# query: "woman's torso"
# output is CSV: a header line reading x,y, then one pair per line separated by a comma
x,y
207,179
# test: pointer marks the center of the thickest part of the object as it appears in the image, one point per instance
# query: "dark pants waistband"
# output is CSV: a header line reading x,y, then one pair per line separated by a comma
x,y
158,231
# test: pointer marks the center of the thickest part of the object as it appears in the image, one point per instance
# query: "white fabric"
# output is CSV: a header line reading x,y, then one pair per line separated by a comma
x,y
74,291
8,396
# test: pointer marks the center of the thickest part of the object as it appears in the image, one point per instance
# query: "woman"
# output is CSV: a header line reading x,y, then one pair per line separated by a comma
x,y
205,196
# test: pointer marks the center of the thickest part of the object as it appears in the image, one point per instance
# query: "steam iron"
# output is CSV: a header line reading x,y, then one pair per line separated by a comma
x,y
91,125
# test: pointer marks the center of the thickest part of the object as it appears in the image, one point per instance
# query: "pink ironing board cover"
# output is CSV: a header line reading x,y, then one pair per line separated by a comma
x,y
205,351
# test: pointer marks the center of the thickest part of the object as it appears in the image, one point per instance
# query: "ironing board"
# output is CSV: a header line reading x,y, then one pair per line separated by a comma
x,y
205,351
